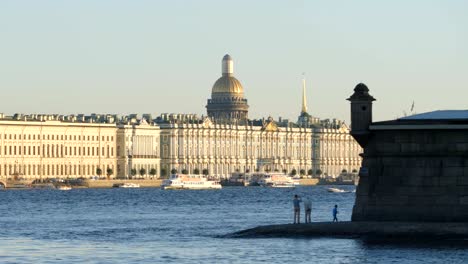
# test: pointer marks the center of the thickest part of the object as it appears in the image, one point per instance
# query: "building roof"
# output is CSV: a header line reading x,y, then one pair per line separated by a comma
x,y
440,119
439,115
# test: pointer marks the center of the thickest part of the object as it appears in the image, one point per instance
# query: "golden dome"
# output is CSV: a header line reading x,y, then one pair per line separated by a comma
x,y
228,85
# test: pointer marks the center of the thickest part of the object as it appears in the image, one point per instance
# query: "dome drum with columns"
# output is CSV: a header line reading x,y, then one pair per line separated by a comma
x,y
227,103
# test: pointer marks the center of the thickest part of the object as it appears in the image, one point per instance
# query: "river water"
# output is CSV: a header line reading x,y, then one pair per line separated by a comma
x,y
149,225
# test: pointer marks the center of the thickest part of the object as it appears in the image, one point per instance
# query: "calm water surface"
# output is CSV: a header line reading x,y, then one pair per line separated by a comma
x,y
155,226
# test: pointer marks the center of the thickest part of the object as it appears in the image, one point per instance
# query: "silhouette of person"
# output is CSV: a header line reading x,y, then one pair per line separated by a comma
x,y
307,210
335,212
297,209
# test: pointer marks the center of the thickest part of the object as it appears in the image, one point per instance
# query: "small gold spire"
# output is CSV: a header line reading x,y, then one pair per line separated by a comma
x,y
304,99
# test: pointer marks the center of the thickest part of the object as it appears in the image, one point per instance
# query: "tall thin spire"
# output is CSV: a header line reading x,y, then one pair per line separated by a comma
x,y
304,99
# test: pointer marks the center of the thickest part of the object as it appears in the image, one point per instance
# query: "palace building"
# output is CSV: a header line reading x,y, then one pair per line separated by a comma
x,y
138,152
225,141
43,146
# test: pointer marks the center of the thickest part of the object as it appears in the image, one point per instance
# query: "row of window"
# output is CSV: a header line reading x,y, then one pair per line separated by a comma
x,y
51,169
281,151
233,138
54,151
55,137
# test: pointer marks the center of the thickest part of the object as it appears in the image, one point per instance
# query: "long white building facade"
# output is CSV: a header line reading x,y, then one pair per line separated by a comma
x,y
50,146
138,151
224,142
201,146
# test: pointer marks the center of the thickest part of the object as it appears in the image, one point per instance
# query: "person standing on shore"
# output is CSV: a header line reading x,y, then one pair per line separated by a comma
x,y
335,212
297,209
307,210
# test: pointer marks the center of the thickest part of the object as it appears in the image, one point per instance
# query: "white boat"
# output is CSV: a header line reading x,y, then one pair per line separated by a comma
x,y
126,185
63,188
336,190
187,181
277,180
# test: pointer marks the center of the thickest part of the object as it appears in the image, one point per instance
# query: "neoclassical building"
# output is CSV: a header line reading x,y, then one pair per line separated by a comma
x,y
336,150
49,146
224,142
221,149
138,149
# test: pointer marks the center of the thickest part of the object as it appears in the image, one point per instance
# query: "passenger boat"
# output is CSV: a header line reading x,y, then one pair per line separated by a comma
x,y
236,179
277,181
63,187
187,181
126,185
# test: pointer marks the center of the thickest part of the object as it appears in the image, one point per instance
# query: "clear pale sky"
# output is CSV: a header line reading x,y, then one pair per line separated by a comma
x,y
164,56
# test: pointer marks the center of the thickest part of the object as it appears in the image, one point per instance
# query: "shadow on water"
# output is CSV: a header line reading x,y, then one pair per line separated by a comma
x,y
414,243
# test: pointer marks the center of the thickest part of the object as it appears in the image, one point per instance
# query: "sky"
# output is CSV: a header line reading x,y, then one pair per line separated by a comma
x,y
97,56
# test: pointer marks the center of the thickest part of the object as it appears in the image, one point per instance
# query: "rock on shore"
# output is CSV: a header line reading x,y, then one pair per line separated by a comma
x,y
390,230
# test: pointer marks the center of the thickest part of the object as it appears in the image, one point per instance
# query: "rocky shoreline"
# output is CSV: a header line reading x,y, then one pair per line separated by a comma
x,y
379,230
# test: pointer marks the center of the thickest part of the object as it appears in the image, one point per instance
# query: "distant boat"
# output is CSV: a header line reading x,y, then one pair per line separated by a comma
x,y
277,180
336,190
187,181
63,187
126,185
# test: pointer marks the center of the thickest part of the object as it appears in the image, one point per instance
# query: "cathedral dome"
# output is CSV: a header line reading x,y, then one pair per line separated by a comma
x,y
227,85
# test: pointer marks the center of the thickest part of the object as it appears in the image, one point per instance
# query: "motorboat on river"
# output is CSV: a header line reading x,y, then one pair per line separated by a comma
x,y
63,187
126,185
336,190
277,180
188,181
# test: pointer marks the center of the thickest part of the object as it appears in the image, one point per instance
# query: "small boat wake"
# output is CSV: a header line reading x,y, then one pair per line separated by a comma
x,y
336,190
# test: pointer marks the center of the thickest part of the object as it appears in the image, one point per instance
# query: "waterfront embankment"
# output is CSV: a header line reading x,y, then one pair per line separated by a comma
x,y
110,183
308,182
156,183
379,230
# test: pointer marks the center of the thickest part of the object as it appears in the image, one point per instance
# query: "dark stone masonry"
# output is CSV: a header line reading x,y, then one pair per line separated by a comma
x,y
414,168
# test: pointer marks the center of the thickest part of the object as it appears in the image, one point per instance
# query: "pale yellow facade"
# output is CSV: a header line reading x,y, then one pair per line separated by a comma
x,y
337,151
228,148
35,149
138,150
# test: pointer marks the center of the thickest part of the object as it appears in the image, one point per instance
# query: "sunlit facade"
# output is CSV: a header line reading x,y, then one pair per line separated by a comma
x,y
47,146
199,146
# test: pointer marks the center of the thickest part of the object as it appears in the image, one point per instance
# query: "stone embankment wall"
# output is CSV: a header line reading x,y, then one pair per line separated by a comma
x,y
414,175
307,182
110,183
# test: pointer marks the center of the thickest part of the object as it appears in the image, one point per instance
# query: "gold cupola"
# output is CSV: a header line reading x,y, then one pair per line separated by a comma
x,y
227,103
227,85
